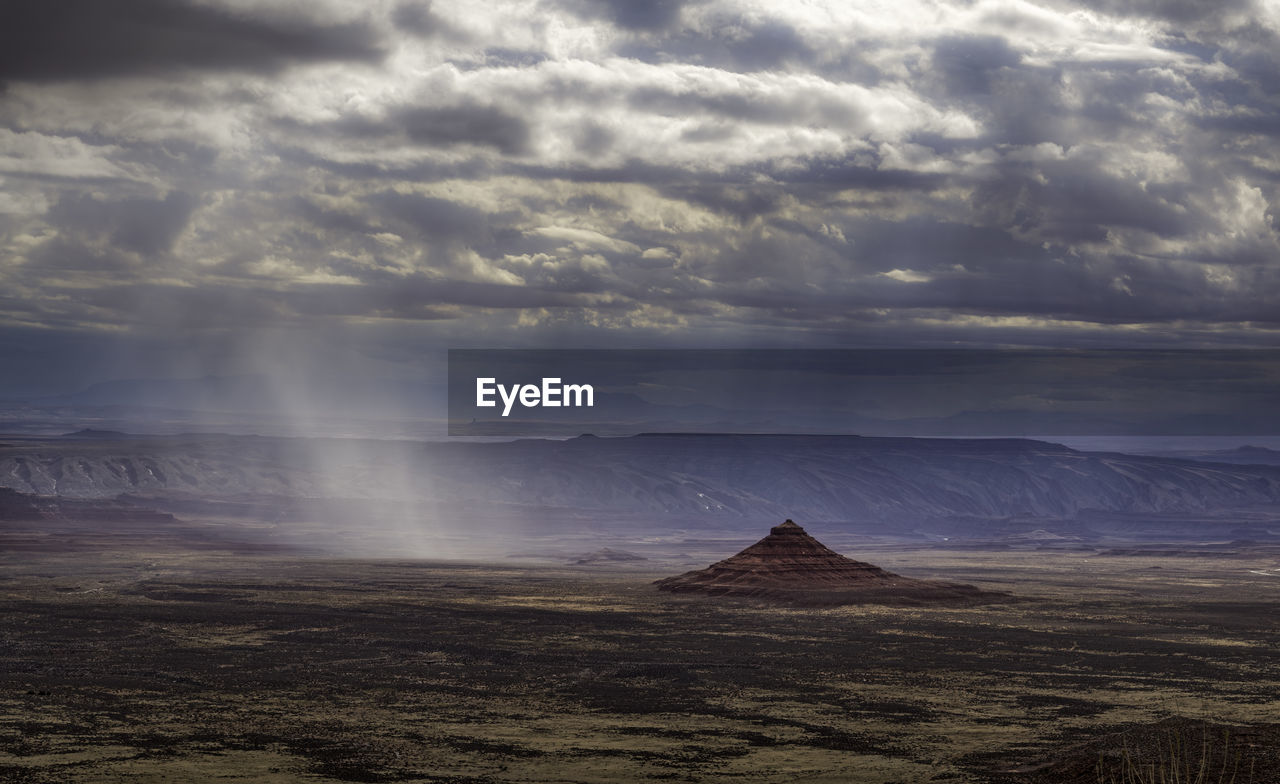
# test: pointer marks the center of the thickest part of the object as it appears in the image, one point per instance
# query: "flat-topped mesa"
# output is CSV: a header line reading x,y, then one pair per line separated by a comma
x,y
791,565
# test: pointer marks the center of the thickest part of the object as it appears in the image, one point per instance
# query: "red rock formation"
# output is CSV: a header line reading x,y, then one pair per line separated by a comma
x,y
791,565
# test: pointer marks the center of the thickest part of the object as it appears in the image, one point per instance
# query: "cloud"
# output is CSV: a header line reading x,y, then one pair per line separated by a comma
x,y
967,63
84,39
431,218
720,171
144,226
418,19
734,44
630,14
34,154
454,125
1179,11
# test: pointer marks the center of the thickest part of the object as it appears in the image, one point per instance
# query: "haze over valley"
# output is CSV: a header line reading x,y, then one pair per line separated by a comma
x,y
361,496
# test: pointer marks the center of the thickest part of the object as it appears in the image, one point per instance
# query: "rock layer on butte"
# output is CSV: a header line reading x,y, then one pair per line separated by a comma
x,y
790,565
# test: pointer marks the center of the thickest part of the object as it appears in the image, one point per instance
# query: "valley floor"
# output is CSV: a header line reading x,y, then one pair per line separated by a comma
x,y
186,667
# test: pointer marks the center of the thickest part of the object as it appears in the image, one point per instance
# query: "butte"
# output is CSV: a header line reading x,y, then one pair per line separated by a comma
x,y
791,566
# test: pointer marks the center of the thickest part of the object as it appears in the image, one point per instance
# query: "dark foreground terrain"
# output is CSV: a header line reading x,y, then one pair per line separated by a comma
x,y
182,667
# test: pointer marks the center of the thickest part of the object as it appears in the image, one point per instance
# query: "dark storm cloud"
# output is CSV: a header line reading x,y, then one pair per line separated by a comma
x,y
458,125
503,57
1059,102
633,171
431,218
927,244
733,44
753,108
1179,11
93,232
333,220
418,18
593,139
388,296
953,268
413,296
62,254
376,171
769,44
968,62
186,160
1028,108
854,174
448,126
1070,201
727,189
1248,124
629,14
89,39
146,226
1020,103
742,202
1258,62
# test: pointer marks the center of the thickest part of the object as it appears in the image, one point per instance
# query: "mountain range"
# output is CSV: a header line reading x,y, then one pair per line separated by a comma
x,y
668,479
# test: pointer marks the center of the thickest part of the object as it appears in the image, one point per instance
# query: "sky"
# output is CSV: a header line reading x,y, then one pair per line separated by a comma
x,y
214,187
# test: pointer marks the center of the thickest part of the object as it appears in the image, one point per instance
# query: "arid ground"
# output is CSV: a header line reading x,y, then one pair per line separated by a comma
x,y
218,666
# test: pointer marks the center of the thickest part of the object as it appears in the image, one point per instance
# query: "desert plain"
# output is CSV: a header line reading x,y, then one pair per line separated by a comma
x,y
224,665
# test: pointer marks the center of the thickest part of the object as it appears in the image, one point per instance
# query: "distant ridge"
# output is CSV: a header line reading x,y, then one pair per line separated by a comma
x,y
710,434
901,487
90,432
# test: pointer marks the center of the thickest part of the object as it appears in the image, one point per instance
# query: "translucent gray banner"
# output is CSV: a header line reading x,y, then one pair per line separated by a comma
x,y
877,392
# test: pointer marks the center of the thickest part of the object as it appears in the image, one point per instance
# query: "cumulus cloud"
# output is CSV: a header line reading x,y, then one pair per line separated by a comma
x,y
633,172
85,39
